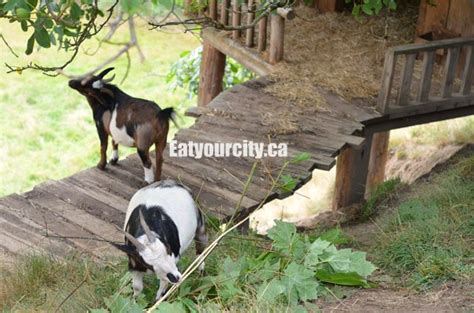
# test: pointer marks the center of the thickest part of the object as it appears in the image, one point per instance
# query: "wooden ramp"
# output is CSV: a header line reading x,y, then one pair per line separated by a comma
x,y
89,203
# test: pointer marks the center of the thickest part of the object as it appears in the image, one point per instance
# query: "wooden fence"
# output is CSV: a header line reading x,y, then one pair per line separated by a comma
x,y
397,97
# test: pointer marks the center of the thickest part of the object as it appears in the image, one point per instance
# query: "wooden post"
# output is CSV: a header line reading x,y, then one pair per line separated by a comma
x,y
213,9
377,162
250,31
351,174
211,74
325,6
235,19
277,29
225,12
262,35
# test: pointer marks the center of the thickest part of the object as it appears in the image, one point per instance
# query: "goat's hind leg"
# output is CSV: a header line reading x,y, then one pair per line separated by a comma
x,y
115,156
147,165
137,282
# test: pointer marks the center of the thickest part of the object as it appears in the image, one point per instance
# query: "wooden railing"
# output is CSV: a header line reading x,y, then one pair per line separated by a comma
x,y
252,26
405,100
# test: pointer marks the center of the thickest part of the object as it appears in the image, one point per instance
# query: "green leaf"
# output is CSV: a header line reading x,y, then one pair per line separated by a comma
x,y
167,307
315,250
346,261
301,157
42,37
300,283
24,26
22,14
287,182
283,235
345,279
30,44
335,236
118,303
269,291
76,11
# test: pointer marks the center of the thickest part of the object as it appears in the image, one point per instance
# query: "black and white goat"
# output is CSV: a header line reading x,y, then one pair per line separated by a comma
x,y
129,121
161,222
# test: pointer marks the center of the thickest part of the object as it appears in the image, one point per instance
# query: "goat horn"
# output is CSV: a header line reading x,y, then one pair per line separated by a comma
x,y
108,80
147,230
140,246
105,72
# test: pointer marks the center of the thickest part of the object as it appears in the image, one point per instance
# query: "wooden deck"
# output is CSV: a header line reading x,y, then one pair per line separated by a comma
x,y
89,203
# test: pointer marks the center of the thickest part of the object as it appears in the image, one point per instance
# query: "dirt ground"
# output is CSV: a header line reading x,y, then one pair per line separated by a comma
x,y
386,297
448,298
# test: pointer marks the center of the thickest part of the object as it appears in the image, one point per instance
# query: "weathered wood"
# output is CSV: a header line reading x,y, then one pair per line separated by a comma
x,y
249,33
287,13
387,80
211,74
407,75
435,45
468,71
213,9
277,31
325,6
236,10
450,72
351,175
225,8
262,34
426,76
377,161
235,50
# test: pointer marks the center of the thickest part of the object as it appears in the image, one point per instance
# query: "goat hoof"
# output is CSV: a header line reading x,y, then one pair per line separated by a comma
x,y
101,166
113,161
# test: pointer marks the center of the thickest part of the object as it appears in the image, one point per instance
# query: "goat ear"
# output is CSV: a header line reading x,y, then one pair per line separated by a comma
x,y
168,248
105,72
107,91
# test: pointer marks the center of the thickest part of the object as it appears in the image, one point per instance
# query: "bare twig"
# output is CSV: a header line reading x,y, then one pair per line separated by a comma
x,y
8,46
72,292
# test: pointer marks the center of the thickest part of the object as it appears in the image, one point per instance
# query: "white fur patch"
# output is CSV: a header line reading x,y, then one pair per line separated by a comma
x,y
149,175
120,134
97,84
115,155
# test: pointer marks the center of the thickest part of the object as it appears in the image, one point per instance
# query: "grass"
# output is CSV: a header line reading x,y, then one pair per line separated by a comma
x,y
47,128
429,238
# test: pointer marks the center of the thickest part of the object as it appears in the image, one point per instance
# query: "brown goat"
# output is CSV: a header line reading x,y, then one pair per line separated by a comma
x,y
129,121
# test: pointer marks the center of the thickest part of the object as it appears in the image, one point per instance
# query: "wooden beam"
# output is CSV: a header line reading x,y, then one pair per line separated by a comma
x,y
377,161
407,75
426,76
213,9
236,19
351,175
434,45
249,33
235,50
211,74
450,72
225,12
277,30
387,80
262,34
468,72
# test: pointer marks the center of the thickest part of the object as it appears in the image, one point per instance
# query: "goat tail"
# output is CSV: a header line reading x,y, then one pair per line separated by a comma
x,y
168,114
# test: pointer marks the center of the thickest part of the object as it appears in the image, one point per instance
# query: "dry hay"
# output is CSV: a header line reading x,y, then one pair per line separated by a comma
x,y
337,52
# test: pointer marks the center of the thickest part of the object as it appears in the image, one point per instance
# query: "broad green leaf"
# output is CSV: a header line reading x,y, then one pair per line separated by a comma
x,y
345,279
346,261
22,14
122,304
335,236
42,37
287,182
24,26
300,283
269,291
76,11
170,307
315,250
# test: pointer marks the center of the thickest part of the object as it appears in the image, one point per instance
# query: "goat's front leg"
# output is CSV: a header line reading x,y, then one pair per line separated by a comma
x,y
147,165
201,240
115,156
104,141
137,282
163,288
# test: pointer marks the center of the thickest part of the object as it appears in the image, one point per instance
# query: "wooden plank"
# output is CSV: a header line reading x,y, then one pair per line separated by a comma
x,y
407,75
468,72
236,19
213,9
75,197
387,80
235,50
91,223
435,45
211,73
54,223
277,33
449,72
426,76
325,6
249,33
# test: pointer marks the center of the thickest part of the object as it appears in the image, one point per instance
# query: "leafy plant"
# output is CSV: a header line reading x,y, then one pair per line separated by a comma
x,y
371,7
290,272
184,73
